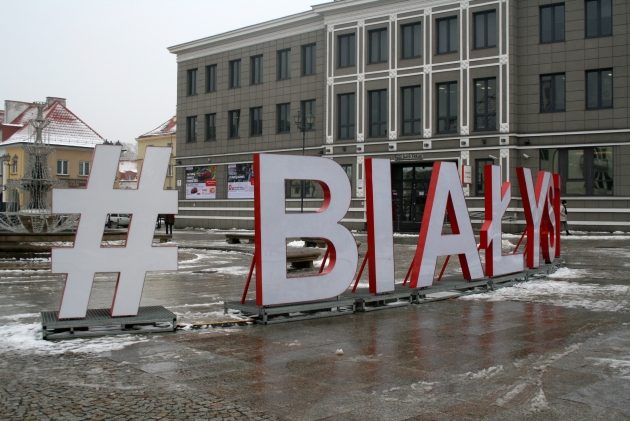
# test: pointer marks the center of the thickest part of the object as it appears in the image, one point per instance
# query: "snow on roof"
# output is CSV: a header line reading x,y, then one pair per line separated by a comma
x,y
64,128
166,128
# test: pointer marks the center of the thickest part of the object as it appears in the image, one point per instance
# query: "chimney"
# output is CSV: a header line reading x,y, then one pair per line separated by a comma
x,y
12,109
51,99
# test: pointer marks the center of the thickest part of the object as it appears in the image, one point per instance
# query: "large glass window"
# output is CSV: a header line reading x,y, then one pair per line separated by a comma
x,y
191,129
552,93
486,104
255,121
346,50
283,64
447,107
599,89
211,78
552,23
307,108
234,123
479,175
62,167
598,17
84,168
211,127
378,113
235,74
411,42
485,29
447,35
411,110
308,59
583,171
377,45
345,116
191,87
283,113
255,69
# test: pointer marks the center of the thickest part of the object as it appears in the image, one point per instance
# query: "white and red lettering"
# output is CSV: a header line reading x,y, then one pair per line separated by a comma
x,y
534,202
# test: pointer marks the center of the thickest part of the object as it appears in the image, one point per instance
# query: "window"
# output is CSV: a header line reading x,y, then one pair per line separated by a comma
x,y
345,116
411,43
169,171
14,165
447,35
191,129
583,171
598,17
84,168
307,108
377,46
347,168
283,64
485,29
411,110
447,107
308,59
191,82
346,50
283,113
486,104
479,178
255,121
378,113
255,70
552,23
599,89
62,167
552,93
235,74
234,122
211,78
211,127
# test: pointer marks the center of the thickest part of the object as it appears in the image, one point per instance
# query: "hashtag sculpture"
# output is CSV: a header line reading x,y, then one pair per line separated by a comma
x,y
131,262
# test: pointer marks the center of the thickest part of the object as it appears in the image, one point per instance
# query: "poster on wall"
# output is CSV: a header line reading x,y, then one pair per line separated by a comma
x,y
240,181
201,182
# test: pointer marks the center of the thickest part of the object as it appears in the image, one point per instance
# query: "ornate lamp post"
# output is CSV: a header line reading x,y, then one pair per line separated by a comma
x,y
303,123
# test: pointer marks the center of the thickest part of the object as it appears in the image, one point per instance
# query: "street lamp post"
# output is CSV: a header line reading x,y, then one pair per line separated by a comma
x,y
303,123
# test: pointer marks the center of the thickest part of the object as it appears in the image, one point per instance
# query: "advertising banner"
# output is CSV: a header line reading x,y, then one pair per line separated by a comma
x,y
240,181
201,182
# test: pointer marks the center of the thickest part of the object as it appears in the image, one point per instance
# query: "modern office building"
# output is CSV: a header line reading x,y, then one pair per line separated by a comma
x,y
538,83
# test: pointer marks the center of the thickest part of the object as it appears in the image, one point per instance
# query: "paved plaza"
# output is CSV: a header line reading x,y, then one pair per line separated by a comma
x,y
550,348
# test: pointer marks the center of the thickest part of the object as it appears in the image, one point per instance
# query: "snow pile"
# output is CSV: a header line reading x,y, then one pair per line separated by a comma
x,y
568,273
27,338
296,243
593,297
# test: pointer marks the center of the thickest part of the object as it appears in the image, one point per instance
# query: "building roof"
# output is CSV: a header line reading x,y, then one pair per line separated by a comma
x,y
167,128
64,128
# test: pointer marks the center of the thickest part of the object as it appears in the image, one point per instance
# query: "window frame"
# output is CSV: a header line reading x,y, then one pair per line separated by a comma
x,y
283,118
255,124
283,58
413,43
191,82
234,70
599,73
378,117
413,121
303,112
553,93
63,167
350,125
599,33
308,67
448,116
487,113
351,59
211,130
381,40
554,29
480,185
485,14
256,69
211,78
450,48
234,130
82,168
191,129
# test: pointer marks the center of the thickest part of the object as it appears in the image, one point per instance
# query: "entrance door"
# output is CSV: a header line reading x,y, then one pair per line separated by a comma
x,y
410,185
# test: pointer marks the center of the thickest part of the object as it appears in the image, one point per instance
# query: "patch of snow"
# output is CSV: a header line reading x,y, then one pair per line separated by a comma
x,y
296,243
486,373
16,317
569,273
623,366
233,270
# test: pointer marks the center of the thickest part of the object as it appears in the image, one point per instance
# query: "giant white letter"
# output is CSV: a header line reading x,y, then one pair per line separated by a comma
x,y
445,193
274,225
497,201
534,200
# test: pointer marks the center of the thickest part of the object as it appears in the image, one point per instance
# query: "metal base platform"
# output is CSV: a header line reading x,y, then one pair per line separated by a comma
x,y
363,301
98,322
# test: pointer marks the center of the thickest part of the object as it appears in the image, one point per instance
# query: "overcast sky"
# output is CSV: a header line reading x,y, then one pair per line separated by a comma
x,y
108,58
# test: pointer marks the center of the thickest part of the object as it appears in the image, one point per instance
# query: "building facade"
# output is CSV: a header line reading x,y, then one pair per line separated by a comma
x,y
164,136
540,84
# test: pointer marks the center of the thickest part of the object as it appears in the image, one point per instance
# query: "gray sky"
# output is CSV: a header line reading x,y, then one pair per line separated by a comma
x,y
109,57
